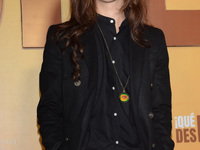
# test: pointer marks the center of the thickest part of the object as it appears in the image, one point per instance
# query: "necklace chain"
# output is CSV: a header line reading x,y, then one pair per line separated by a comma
x,y
123,87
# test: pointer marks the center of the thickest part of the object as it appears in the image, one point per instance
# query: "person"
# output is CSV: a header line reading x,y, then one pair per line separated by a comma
x,y
105,80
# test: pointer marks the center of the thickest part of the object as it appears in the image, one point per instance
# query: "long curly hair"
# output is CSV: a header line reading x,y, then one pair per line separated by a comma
x,y
83,18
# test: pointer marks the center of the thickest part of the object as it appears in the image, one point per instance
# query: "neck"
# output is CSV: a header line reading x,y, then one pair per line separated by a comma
x,y
111,9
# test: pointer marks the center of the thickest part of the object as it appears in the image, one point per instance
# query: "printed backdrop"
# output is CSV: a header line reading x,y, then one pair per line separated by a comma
x,y
19,86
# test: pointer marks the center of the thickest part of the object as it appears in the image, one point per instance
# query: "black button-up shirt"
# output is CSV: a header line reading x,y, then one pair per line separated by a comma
x,y
112,126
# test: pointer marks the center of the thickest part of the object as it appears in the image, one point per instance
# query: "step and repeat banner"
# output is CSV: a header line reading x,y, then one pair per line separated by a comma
x,y
23,27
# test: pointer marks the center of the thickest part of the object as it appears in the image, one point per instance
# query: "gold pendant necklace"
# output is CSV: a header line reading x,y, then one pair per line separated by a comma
x,y
124,97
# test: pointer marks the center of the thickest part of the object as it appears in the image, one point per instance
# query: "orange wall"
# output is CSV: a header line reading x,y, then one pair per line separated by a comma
x,y
185,82
182,4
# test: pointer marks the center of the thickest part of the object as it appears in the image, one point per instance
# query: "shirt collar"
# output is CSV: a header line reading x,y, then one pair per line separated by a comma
x,y
110,21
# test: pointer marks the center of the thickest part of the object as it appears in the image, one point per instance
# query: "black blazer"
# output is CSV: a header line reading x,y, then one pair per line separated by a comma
x,y
64,109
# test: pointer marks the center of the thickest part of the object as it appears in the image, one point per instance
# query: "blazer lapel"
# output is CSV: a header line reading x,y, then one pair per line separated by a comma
x,y
137,55
91,63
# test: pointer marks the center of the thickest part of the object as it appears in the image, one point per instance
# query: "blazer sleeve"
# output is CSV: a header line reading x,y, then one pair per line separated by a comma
x,y
161,104
49,110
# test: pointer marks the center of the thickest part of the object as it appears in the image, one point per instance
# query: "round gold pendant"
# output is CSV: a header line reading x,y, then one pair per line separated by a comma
x,y
124,97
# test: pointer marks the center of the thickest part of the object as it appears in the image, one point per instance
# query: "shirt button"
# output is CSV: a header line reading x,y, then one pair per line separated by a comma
x,y
113,88
151,85
115,114
151,115
113,62
111,21
114,38
153,145
117,142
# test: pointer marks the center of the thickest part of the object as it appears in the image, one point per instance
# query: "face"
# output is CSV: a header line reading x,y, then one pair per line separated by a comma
x,y
112,5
